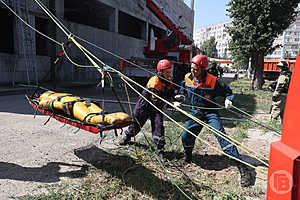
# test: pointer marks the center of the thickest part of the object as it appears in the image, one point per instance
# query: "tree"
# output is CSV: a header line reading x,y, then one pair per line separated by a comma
x,y
240,57
209,47
255,25
287,55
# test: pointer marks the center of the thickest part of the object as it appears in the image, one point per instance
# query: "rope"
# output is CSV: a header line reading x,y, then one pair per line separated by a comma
x,y
87,53
114,91
195,119
132,115
201,122
64,30
77,65
55,20
202,108
133,64
54,17
168,174
29,24
278,134
171,119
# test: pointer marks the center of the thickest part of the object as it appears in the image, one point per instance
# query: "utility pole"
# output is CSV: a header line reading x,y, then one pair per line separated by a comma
x,y
192,5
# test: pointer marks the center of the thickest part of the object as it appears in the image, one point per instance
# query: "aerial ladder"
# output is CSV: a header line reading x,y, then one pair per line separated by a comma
x,y
177,41
176,46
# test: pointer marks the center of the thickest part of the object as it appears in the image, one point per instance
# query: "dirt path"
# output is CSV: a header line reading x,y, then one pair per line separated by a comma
x,y
260,141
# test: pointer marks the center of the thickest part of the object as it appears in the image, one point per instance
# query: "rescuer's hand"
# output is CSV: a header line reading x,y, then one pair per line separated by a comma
x,y
228,104
179,98
177,104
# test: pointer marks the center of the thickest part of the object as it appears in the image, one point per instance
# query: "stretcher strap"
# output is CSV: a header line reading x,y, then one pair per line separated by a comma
x,y
96,113
66,105
60,97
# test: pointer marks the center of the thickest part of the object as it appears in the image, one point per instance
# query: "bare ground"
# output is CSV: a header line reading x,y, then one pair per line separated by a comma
x,y
34,154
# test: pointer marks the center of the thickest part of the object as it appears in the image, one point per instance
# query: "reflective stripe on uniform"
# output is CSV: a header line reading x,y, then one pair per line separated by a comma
x,y
157,84
188,146
159,138
226,147
209,82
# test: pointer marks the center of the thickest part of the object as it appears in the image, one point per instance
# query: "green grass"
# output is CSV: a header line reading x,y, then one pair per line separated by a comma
x,y
133,172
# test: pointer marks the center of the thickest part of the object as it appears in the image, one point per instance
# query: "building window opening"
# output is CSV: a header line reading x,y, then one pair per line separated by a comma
x,y
158,32
91,13
7,36
131,26
41,42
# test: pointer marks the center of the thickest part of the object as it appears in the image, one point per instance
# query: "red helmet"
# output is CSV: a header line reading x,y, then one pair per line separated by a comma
x,y
163,64
200,60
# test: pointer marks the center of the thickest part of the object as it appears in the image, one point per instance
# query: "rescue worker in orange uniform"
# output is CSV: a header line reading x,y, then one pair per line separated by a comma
x,y
143,110
208,86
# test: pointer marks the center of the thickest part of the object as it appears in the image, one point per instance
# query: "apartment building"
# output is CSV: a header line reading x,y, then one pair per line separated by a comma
x,y
219,32
290,41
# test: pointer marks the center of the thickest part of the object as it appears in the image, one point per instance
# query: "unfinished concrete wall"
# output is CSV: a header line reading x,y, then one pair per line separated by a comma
x,y
13,67
14,70
115,43
120,44
22,64
176,10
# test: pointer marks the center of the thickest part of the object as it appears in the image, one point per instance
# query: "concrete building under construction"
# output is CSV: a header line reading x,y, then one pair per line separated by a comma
x,y
122,27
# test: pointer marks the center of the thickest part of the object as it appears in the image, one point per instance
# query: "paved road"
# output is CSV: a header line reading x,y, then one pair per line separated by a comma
x,y
33,153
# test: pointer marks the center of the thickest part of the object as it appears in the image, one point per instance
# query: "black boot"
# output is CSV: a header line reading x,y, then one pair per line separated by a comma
x,y
125,140
247,174
188,156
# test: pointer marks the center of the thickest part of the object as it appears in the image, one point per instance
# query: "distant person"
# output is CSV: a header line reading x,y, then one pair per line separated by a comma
x,y
221,71
272,86
213,69
236,75
280,92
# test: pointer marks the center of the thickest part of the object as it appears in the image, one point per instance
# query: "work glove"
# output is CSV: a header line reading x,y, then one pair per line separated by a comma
x,y
176,104
228,104
179,98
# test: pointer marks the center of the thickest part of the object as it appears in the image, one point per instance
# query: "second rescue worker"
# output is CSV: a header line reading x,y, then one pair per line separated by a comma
x,y
280,92
162,86
199,84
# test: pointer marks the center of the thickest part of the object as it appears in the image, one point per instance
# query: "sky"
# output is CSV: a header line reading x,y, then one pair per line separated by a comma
x,y
208,12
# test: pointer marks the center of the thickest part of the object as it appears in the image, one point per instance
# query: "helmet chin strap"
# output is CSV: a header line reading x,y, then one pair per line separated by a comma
x,y
201,75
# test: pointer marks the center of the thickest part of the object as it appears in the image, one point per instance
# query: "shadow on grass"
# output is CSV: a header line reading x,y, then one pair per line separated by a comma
x,y
133,174
220,162
48,173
